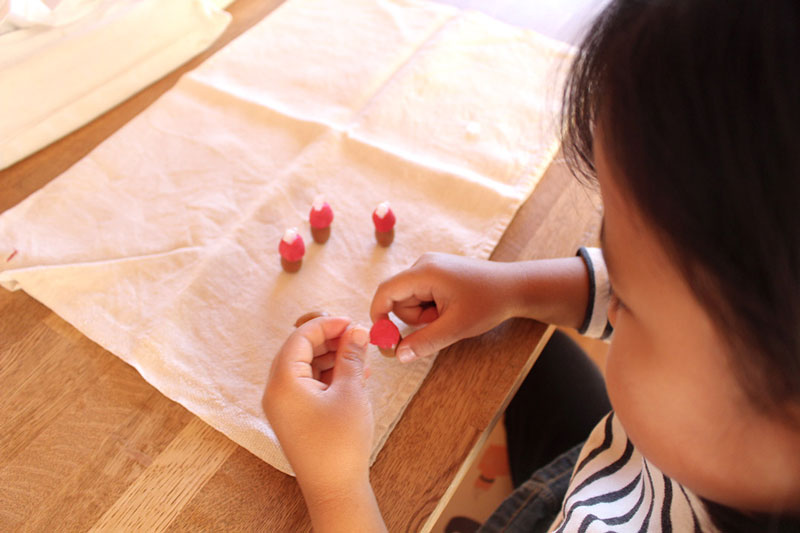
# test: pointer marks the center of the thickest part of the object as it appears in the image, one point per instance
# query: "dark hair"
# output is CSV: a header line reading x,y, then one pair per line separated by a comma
x,y
699,103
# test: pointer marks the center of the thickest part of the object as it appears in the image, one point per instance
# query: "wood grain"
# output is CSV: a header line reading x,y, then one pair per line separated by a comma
x,y
86,443
170,481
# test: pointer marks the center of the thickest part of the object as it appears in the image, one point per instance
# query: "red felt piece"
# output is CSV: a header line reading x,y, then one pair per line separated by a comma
x,y
384,334
294,251
384,224
322,218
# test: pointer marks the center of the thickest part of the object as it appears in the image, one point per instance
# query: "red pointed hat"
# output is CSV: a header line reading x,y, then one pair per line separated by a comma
x,y
321,214
292,248
383,217
384,334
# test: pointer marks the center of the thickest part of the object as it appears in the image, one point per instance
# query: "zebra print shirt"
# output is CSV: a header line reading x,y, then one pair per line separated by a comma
x,y
614,488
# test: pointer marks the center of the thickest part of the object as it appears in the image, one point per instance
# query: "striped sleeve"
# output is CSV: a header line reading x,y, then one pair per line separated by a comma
x,y
595,322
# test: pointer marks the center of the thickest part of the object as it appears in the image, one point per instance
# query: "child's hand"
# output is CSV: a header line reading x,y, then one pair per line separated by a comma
x,y
318,406
457,297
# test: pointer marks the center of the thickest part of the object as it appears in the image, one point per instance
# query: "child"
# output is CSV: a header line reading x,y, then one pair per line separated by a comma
x,y
685,113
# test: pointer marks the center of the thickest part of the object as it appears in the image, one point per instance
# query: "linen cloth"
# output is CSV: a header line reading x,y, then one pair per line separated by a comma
x,y
60,69
161,245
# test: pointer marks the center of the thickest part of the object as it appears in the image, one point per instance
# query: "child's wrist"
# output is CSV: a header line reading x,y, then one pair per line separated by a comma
x,y
320,491
336,508
519,283
554,291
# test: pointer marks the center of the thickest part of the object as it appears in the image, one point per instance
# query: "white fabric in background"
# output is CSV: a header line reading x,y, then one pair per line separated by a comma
x,y
60,69
161,245
27,13
5,9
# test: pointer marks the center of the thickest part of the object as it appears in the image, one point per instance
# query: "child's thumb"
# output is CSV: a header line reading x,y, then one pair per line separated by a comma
x,y
349,365
428,340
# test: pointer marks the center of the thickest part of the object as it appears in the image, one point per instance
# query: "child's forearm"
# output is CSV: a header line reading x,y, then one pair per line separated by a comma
x,y
554,291
347,509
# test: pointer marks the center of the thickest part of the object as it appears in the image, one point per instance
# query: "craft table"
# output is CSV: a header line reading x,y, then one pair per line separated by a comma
x,y
86,443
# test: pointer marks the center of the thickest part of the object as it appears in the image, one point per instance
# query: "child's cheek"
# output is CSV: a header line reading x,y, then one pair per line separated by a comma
x,y
629,378
615,372
613,307
642,399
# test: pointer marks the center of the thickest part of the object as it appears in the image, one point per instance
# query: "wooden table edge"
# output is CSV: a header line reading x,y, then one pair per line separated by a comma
x,y
460,475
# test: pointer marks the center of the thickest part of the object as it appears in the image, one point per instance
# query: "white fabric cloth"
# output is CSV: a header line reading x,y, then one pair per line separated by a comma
x,y
5,9
27,13
61,68
162,244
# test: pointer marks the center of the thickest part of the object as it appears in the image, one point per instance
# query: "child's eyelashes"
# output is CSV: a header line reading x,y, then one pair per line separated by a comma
x,y
615,305
614,301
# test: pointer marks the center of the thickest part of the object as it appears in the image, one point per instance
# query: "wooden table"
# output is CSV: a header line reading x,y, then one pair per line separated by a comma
x,y
86,443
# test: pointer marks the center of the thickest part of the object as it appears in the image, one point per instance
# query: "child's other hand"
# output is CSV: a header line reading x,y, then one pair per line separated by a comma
x,y
457,297
317,404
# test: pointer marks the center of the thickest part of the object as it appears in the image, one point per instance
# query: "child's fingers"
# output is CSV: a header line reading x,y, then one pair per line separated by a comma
x,y
409,314
403,287
322,368
351,359
426,341
429,314
416,312
326,377
322,363
330,345
297,353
